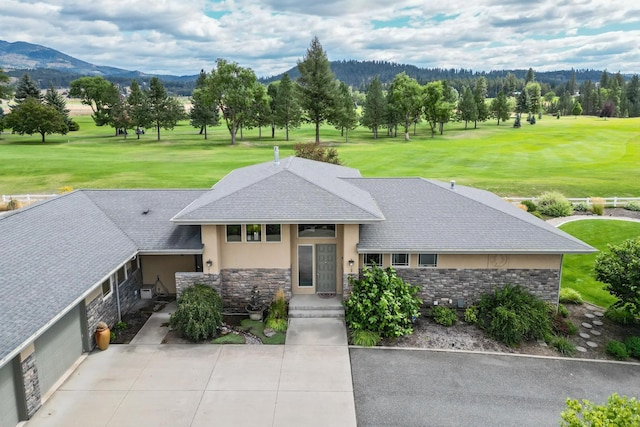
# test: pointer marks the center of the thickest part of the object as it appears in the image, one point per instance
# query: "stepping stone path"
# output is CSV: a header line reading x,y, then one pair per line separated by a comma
x,y
585,336
589,315
592,344
597,323
587,325
581,349
596,333
591,320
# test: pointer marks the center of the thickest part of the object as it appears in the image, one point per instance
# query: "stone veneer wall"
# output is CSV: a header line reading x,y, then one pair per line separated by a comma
x,y
100,310
31,384
469,284
234,285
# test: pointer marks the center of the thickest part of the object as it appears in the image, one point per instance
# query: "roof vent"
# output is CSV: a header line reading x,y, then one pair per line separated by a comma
x,y
145,212
276,155
453,184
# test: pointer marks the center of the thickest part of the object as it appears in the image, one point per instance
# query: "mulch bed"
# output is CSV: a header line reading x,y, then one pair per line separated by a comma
x,y
135,320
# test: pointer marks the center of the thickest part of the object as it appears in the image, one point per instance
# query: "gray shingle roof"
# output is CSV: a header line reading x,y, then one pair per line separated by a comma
x,y
428,216
50,255
296,190
153,232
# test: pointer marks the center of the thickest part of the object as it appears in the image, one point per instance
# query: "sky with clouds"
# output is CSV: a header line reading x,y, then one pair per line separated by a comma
x,y
183,36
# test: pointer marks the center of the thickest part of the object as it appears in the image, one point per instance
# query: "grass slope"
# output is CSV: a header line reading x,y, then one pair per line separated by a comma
x,y
580,157
577,270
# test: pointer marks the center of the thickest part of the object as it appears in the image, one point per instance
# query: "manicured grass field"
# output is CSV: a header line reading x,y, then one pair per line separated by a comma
x,y
581,157
577,270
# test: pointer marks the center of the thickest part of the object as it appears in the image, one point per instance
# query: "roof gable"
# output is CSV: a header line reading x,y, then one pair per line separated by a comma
x,y
296,190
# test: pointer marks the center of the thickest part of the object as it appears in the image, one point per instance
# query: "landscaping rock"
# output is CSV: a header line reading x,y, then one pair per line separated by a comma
x,y
587,325
598,313
585,336
581,349
268,332
597,323
589,315
596,333
592,344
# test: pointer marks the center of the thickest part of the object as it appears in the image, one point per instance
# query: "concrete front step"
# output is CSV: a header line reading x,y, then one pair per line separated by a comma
x,y
317,313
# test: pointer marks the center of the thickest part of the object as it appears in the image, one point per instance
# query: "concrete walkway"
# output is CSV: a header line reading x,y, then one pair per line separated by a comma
x,y
306,382
563,220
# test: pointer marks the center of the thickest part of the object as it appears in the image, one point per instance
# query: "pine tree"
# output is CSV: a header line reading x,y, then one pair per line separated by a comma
x,y
500,107
26,88
137,105
204,111
523,105
57,101
374,108
467,108
344,115
479,96
316,84
164,111
288,113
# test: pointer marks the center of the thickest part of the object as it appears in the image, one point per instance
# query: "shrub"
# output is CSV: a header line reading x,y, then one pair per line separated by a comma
x,y
13,204
65,189
568,295
512,315
597,205
315,151
444,316
633,346
73,126
120,326
633,205
618,350
620,315
277,317
531,206
554,204
199,313
581,207
562,326
564,346
365,338
618,411
381,302
471,315
562,310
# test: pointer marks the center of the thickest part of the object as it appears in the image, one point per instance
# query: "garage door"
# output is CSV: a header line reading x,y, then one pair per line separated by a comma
x,y
8,402
58,349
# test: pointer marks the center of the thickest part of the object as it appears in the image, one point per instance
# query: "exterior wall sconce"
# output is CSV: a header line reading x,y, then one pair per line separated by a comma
x,y
209,265
351,262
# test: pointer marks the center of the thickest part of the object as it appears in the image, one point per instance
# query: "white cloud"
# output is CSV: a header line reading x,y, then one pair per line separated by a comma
x,y
183,36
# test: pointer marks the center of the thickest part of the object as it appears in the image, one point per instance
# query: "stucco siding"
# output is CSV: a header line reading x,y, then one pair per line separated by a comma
x,y
164,267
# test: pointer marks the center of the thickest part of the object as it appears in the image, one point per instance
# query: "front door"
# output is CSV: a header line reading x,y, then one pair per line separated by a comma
x,y
325,268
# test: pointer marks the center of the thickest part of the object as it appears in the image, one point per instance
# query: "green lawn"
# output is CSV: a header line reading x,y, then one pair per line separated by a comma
x,y
577,270
580,157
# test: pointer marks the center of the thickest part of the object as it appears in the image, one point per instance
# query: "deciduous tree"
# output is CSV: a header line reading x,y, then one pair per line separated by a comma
x,y
500,107
317,85
204,110
99,94
433,98
287,110
343,115
31,116
619,269
467,108
138,109
405,97
479,96
260,111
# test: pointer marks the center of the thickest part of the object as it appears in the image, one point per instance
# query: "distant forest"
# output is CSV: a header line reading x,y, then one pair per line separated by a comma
x,y
356,74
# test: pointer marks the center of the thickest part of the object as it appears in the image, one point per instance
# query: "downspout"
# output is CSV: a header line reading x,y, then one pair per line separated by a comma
x,y
118,299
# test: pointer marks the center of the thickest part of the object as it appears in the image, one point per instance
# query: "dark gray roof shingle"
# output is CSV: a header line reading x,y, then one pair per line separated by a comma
x,y
428,216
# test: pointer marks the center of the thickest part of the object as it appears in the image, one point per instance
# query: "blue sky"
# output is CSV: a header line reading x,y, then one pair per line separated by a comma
x,y
184,36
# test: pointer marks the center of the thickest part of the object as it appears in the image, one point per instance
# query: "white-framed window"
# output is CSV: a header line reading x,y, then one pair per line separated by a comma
x,y
253,232
428,260
273,232
370,259
317,230
400,260
107,286
234,233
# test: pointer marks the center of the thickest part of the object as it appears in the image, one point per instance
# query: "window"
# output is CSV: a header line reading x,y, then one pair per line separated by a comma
x,y
400,260
234,233
106,288
428,260
305,265
370,259
254,232
274,232
122,275
316,230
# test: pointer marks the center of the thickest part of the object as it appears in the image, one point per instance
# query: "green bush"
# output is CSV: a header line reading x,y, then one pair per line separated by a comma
x,y
568,295
564,346
277,317
633,205
512,315
633,346
382,302
554,204
618,350
365,338
199,313
120,326
277,324
444,316
531,206
471,315
581,207
618,411
562,310
620,315
73,126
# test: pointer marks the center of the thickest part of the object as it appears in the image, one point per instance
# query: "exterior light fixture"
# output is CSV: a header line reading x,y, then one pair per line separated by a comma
x,y
351,262
209,265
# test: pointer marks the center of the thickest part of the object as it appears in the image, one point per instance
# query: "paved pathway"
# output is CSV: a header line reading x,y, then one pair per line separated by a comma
x,y
563,220
306,382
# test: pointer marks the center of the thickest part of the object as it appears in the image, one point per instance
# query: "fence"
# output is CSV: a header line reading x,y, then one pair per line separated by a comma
x,y
614,202
26,198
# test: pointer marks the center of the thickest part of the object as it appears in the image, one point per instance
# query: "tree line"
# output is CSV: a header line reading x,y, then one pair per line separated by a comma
x,y
233,95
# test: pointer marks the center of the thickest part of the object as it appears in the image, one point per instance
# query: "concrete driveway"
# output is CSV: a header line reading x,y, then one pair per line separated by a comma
x,y
306,382
432,388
